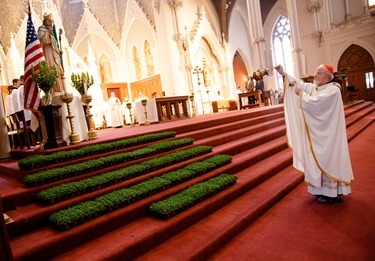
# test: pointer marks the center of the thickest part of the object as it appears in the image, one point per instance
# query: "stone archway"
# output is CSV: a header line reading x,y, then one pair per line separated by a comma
x,y
359,65
240,71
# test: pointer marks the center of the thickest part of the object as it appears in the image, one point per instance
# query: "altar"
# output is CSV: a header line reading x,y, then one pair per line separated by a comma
x,y
79,120
151,111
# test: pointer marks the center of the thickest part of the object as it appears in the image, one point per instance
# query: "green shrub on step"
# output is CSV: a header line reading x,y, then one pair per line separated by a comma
x,y
37,161
57,193
51,175
173,205
77,214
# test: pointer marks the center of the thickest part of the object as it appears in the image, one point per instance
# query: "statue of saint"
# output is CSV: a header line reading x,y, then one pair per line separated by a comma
x,y
105,70
51,50
149,59
206,74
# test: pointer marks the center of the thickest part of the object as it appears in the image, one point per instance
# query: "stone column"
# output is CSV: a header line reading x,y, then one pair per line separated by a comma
x,y
295,36
256,33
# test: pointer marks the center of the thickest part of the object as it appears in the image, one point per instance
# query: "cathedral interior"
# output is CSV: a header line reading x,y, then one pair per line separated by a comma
x,y
205,69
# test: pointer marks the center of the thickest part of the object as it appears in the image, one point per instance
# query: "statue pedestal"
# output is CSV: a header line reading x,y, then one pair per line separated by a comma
x,y
52,124
86,99
68,98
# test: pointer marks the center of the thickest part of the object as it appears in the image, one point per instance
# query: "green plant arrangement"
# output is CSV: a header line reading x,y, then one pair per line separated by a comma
x,y
175,204
37,161
82,212
45,78
68,190
79,81
54,174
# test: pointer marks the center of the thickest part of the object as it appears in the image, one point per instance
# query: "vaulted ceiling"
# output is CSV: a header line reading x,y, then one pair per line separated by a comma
x,y
15,12
224,9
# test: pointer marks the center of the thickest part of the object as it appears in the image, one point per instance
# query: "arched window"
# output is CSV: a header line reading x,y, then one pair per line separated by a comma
x,y
282,48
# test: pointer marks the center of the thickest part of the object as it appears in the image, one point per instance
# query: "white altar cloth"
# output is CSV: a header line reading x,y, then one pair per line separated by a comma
x,y
79,120
152,112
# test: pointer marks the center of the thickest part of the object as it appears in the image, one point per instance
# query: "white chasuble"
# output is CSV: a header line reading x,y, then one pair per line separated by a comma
x,y
316,131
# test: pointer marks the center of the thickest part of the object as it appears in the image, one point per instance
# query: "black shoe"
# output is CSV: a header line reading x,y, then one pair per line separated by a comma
x,y
325,199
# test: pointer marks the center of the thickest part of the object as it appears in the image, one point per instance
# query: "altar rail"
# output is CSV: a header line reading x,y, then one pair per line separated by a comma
x,y
169,107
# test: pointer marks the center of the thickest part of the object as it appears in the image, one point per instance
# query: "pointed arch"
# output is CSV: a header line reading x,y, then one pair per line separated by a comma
x,y
239,69
360,71
355,57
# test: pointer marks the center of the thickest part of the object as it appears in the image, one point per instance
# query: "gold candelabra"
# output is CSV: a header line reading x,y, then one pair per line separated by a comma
x,y
191,98
86,99
129,106
144,104
68,98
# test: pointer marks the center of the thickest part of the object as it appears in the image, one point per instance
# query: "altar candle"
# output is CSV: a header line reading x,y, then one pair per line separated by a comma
x,y
85,87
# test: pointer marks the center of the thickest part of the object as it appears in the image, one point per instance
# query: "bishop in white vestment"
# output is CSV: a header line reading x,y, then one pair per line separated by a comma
x,y
316,132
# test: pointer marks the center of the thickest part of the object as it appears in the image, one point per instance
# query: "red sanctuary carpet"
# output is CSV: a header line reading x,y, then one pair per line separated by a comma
x,y
300,228
296,228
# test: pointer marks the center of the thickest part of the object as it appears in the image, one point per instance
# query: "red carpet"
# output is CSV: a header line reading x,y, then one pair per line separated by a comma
x,y
299,228
267,215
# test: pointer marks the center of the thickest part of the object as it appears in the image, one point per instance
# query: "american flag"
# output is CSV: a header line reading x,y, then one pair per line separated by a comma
x,y
33,56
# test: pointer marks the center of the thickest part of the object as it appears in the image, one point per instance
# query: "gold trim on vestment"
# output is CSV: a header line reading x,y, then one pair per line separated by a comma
x,y
312,149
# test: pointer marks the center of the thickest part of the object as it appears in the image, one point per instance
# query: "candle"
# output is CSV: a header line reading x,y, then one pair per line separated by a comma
x,y
85,87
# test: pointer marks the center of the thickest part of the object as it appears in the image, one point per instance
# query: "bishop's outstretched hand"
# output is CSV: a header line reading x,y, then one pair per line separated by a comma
x,y
279,68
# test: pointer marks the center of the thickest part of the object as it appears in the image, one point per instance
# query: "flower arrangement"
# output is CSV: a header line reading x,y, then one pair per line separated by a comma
x,y
45,78
82,82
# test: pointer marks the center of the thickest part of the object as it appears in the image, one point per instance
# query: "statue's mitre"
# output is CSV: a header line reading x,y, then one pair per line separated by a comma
x,y
48,16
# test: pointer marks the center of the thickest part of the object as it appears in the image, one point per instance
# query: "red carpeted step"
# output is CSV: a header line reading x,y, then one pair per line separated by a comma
x,y
235,125
62,241
361,124
138,237
34,214
355,107
358,115
300,228
205,237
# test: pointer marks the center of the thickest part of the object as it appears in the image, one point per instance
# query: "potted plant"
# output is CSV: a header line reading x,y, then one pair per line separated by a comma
x,y
45,78
82,82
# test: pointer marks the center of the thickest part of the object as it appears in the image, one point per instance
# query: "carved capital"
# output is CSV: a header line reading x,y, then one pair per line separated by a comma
x,y
319,37
174,4
313,6
157,6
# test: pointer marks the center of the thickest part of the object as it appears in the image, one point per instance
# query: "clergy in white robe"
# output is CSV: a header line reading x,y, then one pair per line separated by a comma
x,y
117,119
4,144
21,101
11,101
316,132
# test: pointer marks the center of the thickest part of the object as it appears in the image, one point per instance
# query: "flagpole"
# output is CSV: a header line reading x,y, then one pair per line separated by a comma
x,y
61,52
33,57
